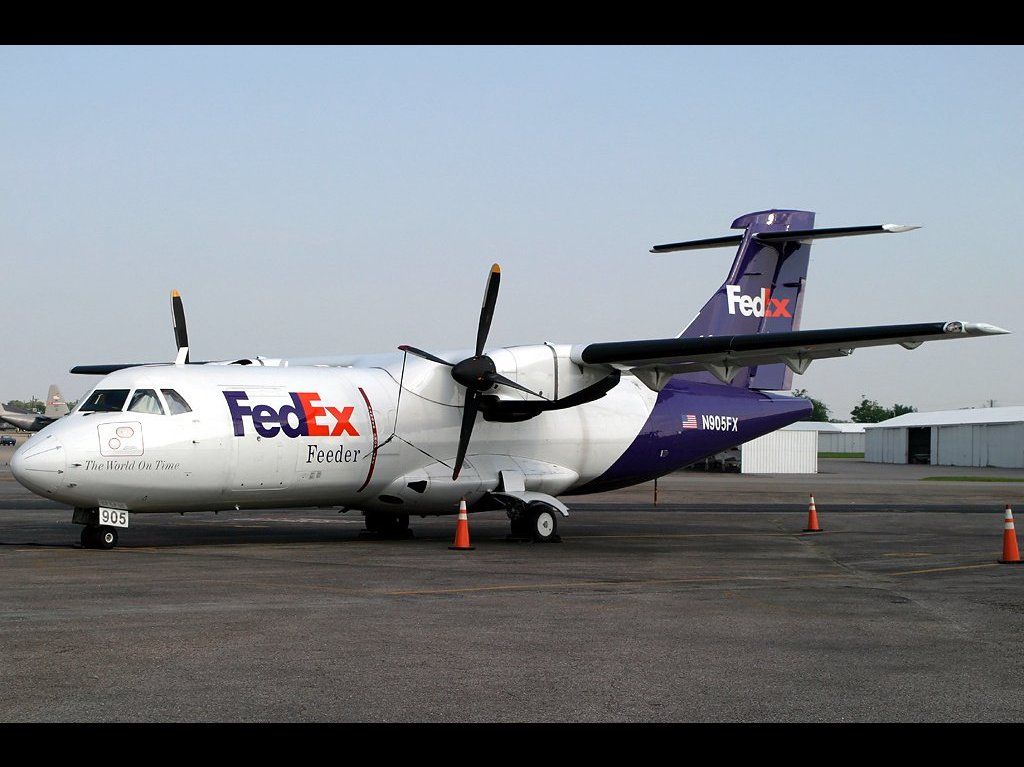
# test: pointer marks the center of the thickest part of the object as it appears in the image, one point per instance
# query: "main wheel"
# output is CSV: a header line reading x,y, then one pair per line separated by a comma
x,y
387,523
106,537
544,525
88,538
521,527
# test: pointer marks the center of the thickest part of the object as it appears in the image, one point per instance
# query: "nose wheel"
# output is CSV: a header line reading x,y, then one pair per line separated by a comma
x,y
99,537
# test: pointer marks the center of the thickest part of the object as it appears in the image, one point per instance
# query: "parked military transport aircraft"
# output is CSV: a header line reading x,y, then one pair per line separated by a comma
x,y
412,432
55,408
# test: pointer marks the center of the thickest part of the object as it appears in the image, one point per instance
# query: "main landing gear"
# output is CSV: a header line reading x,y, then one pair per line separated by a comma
x,y
386,524
99,537
536,522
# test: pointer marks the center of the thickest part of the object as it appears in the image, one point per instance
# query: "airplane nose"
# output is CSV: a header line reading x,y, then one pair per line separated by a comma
x,y
39,466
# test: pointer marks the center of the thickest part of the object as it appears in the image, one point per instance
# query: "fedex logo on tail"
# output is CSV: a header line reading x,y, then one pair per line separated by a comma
x,y
305,417
762,306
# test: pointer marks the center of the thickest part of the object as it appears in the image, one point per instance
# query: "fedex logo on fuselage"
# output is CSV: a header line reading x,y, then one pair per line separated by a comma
x,y
305,417
762,306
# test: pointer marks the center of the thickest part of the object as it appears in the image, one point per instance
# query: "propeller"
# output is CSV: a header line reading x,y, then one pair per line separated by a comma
x,y
178,320
478,373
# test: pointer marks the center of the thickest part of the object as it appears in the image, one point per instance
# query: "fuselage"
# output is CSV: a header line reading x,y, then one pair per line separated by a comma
x,y
25,421
251,436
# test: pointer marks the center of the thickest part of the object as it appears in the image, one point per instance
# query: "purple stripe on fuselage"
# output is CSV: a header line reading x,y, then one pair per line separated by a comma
x,y
726,416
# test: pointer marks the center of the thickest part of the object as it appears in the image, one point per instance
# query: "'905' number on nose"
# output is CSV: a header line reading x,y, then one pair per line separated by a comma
x,y
113,517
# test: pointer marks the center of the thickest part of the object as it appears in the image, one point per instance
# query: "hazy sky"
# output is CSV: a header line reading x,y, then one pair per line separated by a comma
x,y
332,200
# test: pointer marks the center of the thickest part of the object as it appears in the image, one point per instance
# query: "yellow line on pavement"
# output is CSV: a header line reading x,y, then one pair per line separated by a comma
x,y
689,535
638,582
945,569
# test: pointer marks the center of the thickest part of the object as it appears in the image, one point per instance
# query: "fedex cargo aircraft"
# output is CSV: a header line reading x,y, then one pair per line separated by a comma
x,y
413,432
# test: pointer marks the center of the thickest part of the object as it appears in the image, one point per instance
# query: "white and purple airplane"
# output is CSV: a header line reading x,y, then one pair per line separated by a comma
x,y
412,433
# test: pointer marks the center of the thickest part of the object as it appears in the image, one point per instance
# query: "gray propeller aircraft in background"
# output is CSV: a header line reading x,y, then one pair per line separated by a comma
x,y
56,408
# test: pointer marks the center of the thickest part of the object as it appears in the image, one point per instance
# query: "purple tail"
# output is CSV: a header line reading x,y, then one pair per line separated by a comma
x,y
762,294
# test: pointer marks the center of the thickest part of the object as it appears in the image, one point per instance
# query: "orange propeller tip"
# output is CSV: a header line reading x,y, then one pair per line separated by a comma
x,y
175,294
495,268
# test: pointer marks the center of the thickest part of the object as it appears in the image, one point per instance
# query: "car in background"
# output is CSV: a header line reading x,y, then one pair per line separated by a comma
x,y
7,439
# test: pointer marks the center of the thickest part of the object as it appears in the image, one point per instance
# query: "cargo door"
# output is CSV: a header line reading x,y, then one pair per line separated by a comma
x,y
264,463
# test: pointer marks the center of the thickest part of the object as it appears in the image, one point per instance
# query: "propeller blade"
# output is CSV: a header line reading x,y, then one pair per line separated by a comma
x,y
487,309
425,355
469,411
498,378
178,320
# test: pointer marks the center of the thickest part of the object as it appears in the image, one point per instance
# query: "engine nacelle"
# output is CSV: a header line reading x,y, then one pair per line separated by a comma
x,y
544,368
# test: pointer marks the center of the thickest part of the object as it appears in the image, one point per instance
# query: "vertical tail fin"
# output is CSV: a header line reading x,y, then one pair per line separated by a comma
x,y
55,404
763,292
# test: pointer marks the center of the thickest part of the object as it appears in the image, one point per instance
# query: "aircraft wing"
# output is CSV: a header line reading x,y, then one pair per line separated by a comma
x,y
655,361
102,370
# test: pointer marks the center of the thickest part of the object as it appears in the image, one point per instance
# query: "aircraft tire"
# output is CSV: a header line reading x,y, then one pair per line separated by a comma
x,y
106,537
87,538
543,525
388,524
521,527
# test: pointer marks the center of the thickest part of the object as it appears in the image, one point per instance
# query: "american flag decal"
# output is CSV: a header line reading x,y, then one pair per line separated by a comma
x,y
690,421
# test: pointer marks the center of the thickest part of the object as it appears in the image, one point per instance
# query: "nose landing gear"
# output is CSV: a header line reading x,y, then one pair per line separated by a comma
x,y
98,537
95,535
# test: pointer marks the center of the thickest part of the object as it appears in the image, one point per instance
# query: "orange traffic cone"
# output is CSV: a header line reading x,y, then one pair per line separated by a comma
x,y
1011,556
462,530
812,518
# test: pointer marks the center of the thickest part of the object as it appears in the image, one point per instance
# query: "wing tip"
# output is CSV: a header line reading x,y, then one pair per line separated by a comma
x,y
975,328
991,330
899,228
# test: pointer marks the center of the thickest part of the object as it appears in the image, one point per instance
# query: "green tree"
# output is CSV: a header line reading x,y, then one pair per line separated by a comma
x,y
869,411
820,410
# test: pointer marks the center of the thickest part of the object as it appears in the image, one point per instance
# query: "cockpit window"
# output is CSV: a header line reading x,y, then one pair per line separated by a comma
x,y
105,401
175,402
145,401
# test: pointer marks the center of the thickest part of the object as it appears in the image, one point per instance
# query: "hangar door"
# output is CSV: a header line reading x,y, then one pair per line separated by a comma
x,y
919,445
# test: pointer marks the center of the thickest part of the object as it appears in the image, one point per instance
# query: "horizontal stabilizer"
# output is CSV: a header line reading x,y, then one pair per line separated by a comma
x,y
713,242
795,235
838,231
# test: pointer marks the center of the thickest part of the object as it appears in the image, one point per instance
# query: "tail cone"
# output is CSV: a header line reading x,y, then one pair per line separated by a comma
x,y
462,530
812,518
1011,556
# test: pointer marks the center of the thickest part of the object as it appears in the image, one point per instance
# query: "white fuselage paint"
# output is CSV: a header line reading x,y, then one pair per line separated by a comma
x,y
195,461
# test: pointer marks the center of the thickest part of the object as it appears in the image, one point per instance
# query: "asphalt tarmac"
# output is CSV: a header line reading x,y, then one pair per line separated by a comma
x,y
711,606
